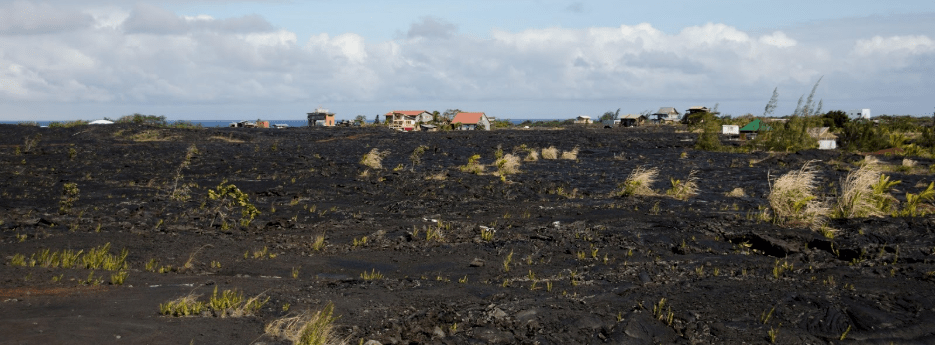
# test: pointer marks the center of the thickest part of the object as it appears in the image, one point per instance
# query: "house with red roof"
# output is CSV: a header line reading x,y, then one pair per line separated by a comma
x,y
471,121
407,120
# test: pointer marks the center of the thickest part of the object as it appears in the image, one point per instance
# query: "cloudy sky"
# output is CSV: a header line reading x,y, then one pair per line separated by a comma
x,y
278,59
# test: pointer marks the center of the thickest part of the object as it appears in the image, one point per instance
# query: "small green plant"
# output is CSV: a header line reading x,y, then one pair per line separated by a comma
x,y
663,312
844,335
773,333
914,206
360,242
765,316
463,280
295,273
152,265
69,197
486,233
119,277
319,243
372,275
229,196
182,306
416,156
507,261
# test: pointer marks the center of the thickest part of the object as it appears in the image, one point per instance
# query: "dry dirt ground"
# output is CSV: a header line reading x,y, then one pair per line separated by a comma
x,y
565,259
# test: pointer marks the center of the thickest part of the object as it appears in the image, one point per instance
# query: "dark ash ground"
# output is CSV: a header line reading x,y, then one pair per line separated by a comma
x,y
587,266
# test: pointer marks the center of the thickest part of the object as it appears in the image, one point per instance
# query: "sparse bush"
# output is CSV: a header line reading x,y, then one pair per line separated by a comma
x,y
550,153
684,189
374,158
736,193
473,165
307,328
571,155
639,182
229,196
416,156
532,156
182,306
792,198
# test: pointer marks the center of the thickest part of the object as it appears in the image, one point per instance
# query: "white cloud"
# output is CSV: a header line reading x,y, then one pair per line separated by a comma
x,y
151,55
778,39
894,44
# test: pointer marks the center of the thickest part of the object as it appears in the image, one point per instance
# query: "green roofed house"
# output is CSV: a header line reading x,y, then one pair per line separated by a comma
x,y
749,131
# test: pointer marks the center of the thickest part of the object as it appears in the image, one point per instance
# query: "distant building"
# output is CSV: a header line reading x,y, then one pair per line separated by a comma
x,y
471,121
667,114
859,114
583,120
750,131
632,120
407,120
826,139
321,118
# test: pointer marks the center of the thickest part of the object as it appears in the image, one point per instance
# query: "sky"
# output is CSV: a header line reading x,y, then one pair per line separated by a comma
x,y
513,59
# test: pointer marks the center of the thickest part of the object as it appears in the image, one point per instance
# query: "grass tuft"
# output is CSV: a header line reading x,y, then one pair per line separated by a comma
x,y
683,190
507,165
792,198
864,193
550,153
570,155
639,182
374,158
307,328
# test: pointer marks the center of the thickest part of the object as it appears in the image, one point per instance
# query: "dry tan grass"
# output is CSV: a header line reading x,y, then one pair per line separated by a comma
x,y
909,163
792,198
229,139
440,176
639,182
868,159
572,155
736,193
684,189
307,328
473,165
856,191
550,153
508,165
532,156
374,158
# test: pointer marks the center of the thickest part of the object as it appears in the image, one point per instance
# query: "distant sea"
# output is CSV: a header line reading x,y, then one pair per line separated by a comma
x,y
226,123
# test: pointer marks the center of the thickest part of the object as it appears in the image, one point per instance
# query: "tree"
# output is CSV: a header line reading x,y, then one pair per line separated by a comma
x,y
809,108
708,140
771,106
449,114
834,119
376,119
360,119
609,115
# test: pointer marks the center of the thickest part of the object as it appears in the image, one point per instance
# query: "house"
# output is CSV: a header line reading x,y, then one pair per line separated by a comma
x,y
751,129
407,120
250,124
826,139
583,120
632,120
731,131
471,121
667,114
321,118
856,114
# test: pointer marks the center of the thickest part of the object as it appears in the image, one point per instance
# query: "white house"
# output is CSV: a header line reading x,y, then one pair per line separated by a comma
x,y
730,129
667,114
859,114
583,119
407,120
